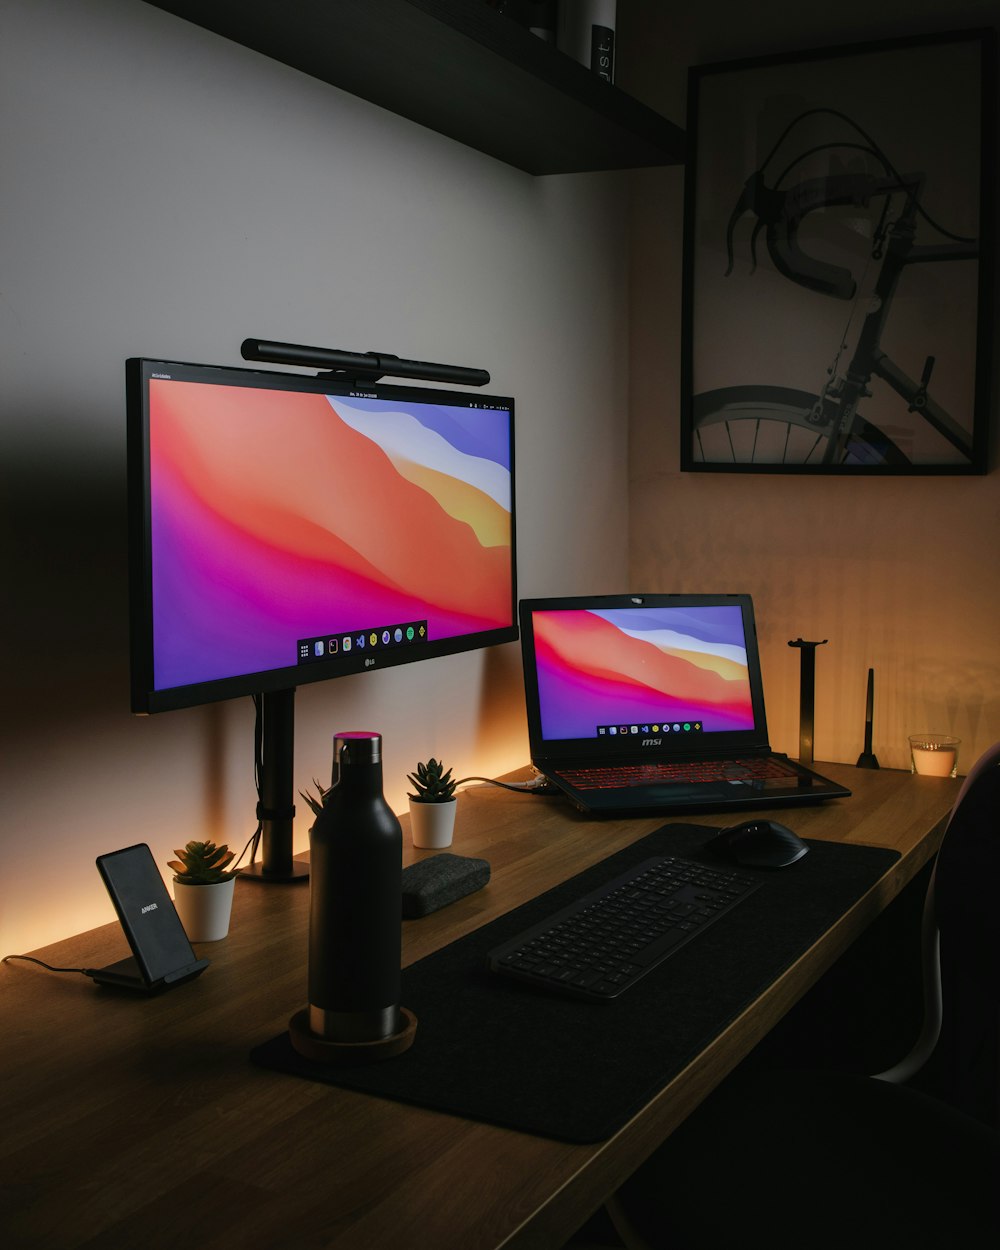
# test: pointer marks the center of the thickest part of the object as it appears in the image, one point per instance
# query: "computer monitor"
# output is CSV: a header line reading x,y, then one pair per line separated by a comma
x,y
287,529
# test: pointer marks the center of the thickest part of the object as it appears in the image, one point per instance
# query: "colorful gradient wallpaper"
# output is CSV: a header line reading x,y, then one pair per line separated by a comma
x,y
281,515
612,667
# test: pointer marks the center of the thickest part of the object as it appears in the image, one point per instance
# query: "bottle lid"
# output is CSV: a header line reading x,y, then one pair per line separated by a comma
x,y
357,746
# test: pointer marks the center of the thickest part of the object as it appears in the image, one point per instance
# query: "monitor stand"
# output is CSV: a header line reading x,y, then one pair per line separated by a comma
x,y
276,808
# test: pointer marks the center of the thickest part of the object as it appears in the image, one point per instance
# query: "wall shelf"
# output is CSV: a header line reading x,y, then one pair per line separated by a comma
x,y
459,68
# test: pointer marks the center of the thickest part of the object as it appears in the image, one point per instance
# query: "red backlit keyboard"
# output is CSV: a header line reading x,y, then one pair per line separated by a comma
x,y
623,776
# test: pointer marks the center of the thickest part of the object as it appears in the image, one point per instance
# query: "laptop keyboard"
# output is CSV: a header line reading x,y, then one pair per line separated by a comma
x,y
625,776
603,943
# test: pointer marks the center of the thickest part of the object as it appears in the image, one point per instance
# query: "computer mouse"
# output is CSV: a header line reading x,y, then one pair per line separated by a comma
x,y
759,844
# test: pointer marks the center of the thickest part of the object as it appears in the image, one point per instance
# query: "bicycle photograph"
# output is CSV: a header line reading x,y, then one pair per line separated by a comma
x,y
838,261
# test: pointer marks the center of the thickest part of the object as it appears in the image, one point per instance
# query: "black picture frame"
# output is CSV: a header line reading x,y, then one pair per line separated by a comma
x,y
838,260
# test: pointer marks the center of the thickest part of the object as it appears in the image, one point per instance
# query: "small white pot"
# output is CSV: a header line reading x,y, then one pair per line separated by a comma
x,y
204,909
432,825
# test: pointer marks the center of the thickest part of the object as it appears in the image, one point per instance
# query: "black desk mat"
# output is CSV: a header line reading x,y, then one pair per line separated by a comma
x,y
489,1048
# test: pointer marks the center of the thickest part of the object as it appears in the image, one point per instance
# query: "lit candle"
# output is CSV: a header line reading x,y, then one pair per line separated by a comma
x,y
934,757
934,761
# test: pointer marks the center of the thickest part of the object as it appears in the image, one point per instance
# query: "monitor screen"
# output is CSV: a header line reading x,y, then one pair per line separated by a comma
x,y
683,669
287,529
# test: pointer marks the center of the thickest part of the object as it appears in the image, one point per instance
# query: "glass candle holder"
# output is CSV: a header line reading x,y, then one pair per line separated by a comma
x,y
934,755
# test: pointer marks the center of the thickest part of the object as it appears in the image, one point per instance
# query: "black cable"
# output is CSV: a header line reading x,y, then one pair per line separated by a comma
x,y
30,959
826,147
251,841
876,151
258,768
538,786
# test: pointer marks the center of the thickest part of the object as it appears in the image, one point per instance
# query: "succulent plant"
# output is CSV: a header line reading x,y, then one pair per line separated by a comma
x,y
432,783
316,800
202,863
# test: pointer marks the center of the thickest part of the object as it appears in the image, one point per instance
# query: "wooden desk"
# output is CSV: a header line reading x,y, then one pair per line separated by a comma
x,y
129,1123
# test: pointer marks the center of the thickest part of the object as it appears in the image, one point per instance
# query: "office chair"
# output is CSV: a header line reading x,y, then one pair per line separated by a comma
x,y
818,1160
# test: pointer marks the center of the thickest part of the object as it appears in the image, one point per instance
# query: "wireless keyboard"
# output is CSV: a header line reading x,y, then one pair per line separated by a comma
x,y
603,943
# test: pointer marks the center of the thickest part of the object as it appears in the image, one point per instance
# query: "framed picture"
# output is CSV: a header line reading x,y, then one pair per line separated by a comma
x,y
838,260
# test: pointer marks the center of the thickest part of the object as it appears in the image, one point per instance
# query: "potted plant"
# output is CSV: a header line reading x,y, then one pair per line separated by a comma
x,y
203,890
432,807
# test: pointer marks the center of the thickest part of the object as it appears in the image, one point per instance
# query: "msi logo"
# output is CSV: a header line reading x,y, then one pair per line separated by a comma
x,y
652,742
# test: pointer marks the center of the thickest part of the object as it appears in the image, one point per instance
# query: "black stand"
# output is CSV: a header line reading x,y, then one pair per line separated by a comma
x,y
276,809
866,759
807,697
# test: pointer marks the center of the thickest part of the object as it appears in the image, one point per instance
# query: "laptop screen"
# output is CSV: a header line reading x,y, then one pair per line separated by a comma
x,y
679,673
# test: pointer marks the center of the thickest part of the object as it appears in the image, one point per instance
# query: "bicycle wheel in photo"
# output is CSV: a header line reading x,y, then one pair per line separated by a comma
x,y
778,425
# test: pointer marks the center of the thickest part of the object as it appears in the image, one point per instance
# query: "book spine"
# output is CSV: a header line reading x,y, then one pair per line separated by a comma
x,y
602,52
586,32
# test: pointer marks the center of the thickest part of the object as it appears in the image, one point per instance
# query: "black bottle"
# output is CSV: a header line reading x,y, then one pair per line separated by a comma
x,y
355,874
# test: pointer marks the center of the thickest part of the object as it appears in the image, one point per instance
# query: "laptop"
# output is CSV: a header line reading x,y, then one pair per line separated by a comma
x,y
639,704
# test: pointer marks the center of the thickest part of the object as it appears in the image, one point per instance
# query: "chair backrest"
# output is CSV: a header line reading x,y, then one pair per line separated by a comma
x,y
927,1042
989,759
967,910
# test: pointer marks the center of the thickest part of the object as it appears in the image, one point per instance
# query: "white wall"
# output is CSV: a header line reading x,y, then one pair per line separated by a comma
x,y
165,192
899,574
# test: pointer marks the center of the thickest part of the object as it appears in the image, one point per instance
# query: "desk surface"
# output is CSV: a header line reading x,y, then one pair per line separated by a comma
x,y
142,1122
